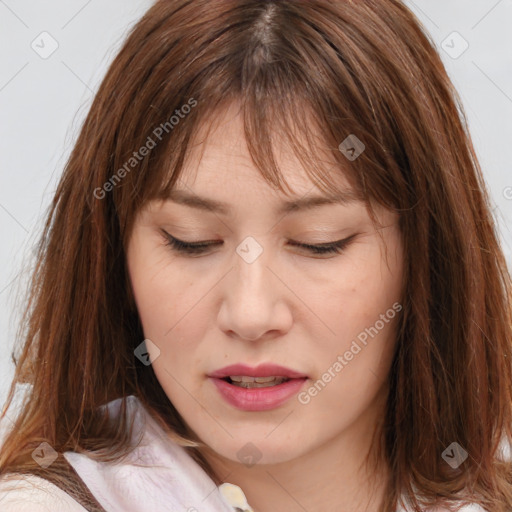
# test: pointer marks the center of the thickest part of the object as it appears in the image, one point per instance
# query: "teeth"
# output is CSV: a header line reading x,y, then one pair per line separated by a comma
x,y
256,382
243,378
266,379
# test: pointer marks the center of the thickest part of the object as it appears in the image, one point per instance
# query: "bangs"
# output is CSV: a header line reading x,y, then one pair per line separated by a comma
x,y
337,124
273,120
267,129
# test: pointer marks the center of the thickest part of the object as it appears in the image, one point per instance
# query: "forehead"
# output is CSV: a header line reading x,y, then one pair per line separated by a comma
x,y
219,166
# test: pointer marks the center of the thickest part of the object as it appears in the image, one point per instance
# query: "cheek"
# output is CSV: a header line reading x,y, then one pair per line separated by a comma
x,y
362,311
174,322
168,301
351,372
360,289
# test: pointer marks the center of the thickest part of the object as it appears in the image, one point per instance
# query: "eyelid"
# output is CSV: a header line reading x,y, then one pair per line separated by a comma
x,y
200,247
323,244
213,242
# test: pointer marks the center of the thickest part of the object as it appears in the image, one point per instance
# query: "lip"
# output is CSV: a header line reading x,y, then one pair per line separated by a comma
x,y
262,370
257,399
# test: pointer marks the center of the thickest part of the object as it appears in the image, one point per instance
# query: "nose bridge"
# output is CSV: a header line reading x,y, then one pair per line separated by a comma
x,y
250,305
250,250
250,269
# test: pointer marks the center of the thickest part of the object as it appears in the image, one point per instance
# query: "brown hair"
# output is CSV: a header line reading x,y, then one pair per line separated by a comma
x,y
335,68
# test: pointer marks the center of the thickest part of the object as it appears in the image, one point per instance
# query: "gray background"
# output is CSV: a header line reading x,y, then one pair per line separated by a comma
x,y
44,100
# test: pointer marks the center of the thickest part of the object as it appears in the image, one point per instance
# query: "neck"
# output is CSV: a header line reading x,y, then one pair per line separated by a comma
x,y
333,477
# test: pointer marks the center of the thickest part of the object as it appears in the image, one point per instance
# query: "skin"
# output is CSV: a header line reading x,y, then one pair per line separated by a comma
x,y
289,307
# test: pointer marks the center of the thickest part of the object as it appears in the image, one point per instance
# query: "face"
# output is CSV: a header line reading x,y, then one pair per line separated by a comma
x,y
255,293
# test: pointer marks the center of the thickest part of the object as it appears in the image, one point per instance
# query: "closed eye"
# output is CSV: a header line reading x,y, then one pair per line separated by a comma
x,y
198,248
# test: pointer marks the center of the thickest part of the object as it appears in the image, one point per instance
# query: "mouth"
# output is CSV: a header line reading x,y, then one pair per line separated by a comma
x,y
246,382
262,388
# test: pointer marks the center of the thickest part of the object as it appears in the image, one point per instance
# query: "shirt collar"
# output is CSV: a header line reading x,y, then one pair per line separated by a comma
x,y
158,474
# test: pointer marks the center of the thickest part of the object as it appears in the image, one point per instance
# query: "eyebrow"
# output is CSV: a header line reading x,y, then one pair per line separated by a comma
x,y
192,200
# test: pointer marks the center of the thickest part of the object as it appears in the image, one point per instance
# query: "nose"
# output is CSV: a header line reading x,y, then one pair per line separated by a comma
x,y
254,303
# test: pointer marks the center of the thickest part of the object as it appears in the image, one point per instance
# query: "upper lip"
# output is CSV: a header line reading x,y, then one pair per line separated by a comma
x,y
262,370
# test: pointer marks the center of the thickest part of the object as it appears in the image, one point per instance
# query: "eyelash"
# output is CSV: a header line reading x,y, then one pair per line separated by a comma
x,y
200,247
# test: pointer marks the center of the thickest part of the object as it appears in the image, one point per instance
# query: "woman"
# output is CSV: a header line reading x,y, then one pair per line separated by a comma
x,y
270,279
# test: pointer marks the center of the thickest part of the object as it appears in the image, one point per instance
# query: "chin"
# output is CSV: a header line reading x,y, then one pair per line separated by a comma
x,y
259,452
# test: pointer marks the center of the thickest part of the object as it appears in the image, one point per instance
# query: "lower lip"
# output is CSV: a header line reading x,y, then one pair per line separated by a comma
x,y
258,399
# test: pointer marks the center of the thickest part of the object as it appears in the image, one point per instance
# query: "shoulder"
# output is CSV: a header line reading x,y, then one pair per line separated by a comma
x,y
467,507
464,506
30,493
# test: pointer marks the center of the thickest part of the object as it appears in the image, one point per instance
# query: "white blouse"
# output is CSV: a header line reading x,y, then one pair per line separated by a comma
x,y
157,475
